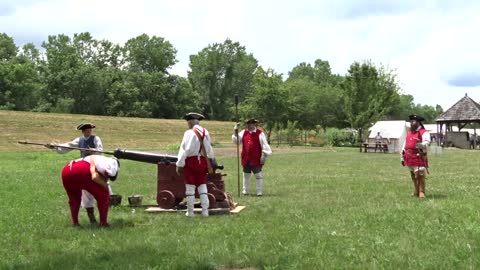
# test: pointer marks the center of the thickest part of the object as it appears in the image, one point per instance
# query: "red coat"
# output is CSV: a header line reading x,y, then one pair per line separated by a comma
x,y
251,149
412,156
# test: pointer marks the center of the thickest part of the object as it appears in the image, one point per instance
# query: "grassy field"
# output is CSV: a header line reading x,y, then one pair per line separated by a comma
x,y
323,209
128,133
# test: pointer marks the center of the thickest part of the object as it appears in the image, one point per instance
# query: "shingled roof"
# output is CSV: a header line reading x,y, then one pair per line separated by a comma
x,y
465,110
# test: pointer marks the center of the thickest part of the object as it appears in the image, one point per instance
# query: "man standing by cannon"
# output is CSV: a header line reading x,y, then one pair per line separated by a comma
x,y
90,141
414,154
193,162
255,150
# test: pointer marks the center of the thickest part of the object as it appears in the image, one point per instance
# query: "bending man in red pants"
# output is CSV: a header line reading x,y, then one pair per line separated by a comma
x,y
193,162
90,173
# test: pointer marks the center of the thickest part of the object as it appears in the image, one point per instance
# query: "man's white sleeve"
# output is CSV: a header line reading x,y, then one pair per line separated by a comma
x,y
403,150
264,143
74,143
426,138
185,146
240,137
98,143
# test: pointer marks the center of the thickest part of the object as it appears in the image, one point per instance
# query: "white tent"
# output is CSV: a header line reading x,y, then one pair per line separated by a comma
x,y
431,128
393,133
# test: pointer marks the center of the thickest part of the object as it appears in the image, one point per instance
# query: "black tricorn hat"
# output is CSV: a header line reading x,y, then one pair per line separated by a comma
x,y
416,117
193,115
85,126
252,121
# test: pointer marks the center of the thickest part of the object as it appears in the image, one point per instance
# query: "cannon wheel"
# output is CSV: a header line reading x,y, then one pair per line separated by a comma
x,y
211,201
219,195
166,199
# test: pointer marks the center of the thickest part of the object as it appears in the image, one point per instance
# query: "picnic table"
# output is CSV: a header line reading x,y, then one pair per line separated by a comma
x,y
382,148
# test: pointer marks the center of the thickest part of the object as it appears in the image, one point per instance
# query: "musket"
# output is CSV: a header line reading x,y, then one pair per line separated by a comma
x,y
119,153
52,145
238,146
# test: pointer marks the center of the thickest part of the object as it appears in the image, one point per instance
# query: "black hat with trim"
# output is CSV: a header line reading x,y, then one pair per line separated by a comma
x,y
193,115
416,118
252,121
85,126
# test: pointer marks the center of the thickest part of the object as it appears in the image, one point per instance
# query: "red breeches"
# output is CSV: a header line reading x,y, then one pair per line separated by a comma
x,y
75,177
195,171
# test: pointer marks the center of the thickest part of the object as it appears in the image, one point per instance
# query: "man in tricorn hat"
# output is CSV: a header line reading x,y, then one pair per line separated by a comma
x,y
414,154
193,162
255,150
89,141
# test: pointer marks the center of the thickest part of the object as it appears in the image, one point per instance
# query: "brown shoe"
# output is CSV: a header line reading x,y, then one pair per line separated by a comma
x,y
91,215
421,181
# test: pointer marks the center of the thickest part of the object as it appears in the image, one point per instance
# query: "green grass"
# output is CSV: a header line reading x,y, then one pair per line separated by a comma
x,y
123,132
322,210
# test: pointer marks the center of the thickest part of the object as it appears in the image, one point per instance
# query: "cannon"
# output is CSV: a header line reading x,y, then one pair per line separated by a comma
x,y
170,186
143,156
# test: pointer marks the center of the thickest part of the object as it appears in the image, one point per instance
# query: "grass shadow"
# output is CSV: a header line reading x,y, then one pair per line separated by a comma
x,y
128,257
436,196
115,224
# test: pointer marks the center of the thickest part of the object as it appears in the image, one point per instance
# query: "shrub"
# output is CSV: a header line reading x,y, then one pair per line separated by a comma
x,y
338,137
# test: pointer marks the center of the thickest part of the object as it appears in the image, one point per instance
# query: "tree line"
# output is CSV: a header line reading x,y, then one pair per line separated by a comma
x,y
81,74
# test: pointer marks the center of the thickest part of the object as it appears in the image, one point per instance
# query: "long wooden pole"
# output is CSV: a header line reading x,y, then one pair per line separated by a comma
x,y
68,147
238,146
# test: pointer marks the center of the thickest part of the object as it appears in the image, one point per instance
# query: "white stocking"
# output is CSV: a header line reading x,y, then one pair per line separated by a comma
x,y
202,191
246,183
190,194
259,178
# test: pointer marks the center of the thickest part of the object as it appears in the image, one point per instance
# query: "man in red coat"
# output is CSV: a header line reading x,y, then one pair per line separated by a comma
x,y
414,154
255,150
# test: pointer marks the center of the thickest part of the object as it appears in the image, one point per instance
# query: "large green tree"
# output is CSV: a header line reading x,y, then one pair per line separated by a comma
x,y
20,82
150,54
218,73
267,101
430,113
368,93
314,96
148,60
8,49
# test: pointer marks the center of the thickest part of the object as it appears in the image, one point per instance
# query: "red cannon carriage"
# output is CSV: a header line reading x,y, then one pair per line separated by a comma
x,y
170,186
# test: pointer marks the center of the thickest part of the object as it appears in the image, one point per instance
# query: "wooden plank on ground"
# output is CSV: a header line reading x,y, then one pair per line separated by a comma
x,y
157,209
237,209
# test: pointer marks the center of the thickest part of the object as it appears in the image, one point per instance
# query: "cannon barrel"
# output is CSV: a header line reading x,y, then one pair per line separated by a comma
x,y
143,156
153,157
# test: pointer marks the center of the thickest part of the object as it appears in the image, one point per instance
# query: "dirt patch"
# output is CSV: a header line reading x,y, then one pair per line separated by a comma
x,y
229,152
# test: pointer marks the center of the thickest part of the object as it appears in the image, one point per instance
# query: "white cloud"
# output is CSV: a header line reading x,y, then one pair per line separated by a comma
x,y
429,43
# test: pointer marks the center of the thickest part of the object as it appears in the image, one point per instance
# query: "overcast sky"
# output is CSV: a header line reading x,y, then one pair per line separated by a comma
x,y
433,45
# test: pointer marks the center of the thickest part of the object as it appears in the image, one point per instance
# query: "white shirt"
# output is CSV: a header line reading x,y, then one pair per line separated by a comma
x,y
76,143
190,145
104,165
263,141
